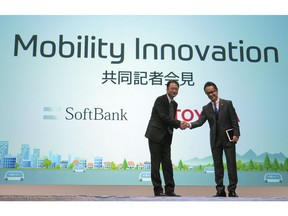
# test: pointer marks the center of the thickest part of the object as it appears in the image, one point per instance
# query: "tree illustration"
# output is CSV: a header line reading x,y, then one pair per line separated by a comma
x,y
239,164
16,165
285,166
186,167
244,167
180,165
71,166
113,166
260,167
275,165
267,163
125,165
251,165
46,163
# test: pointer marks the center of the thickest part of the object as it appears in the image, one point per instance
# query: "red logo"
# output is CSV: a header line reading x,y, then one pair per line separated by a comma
x,y
187,114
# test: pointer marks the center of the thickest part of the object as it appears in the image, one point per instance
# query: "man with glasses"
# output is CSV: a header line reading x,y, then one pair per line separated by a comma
x,y
222,117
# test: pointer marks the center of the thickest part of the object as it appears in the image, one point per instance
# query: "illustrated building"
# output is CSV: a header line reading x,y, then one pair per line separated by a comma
x,y
3,151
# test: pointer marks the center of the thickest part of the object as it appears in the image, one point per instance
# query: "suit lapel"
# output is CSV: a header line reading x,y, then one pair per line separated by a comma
x,y
220,107
210,111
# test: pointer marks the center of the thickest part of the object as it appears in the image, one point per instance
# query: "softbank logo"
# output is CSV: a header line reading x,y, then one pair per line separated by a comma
x,y
51,113
95,113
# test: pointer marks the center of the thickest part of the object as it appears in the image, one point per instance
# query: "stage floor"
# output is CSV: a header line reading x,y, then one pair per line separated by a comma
x,y
133,193
134,198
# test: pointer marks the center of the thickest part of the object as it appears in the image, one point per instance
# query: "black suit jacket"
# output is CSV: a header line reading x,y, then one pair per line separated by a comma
x,y
227,118
160,119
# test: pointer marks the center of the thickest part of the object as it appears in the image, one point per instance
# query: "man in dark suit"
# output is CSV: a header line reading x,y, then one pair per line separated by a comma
x,y
159,133
221,116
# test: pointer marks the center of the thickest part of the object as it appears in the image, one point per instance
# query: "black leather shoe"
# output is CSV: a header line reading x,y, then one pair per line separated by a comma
x,y
172,194
220,194
160,194
232,194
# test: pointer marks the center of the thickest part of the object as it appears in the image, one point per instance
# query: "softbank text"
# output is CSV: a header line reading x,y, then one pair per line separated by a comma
x,y
95,114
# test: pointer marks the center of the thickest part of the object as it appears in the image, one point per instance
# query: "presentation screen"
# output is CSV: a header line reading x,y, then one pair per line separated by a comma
x,y
77,94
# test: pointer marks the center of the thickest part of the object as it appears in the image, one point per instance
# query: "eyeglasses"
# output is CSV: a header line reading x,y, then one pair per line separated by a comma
x,y
211,92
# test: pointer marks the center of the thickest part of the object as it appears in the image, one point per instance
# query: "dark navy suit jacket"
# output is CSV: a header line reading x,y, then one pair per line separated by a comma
x,y
227,118
160,119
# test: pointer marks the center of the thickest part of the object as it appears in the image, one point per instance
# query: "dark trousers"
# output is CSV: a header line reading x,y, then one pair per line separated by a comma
x,y
161,155
230,154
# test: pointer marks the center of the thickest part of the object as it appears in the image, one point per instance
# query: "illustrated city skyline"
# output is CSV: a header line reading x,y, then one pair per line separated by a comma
x,y
25,155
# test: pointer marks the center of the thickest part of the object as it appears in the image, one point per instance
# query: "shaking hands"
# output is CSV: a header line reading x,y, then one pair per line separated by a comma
x,y
185,125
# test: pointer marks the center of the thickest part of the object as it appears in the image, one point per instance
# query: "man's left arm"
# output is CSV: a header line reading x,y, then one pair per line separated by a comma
x,y
234,122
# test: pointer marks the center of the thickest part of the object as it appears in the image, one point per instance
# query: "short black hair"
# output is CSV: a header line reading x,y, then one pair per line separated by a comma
x,y
172,81
210,84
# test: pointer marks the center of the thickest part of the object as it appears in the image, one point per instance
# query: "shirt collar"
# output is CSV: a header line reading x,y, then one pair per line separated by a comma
x,y
217,102
169,99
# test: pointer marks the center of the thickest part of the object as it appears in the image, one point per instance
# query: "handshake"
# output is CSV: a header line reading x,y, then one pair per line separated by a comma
x,y
185,125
